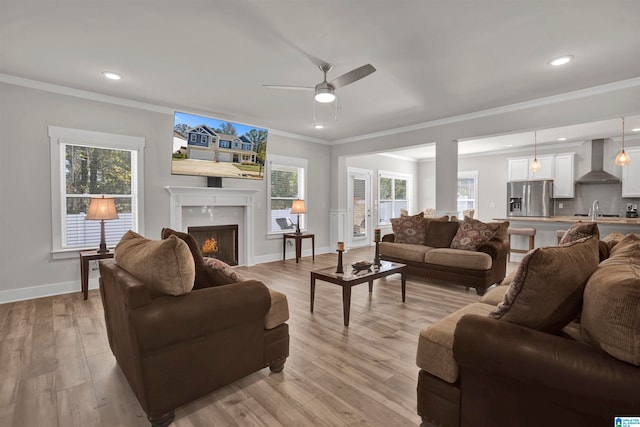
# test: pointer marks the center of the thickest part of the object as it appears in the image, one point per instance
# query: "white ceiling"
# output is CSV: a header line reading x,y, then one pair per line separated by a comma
x,y
434,59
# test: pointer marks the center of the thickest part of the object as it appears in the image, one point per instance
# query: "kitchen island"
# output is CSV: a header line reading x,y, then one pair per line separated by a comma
x,y
546,228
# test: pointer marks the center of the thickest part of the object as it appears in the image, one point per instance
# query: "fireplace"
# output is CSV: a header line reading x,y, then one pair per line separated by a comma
x,y
217,241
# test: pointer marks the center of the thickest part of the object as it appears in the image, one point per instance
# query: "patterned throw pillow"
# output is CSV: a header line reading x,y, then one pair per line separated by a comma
x,y
580,230
472,233
546,290
409,229
221,273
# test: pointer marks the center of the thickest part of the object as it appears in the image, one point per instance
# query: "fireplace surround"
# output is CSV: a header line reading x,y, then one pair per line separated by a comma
x,y
215,200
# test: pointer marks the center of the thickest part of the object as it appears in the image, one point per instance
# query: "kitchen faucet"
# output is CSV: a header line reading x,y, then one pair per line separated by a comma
x,y
595,208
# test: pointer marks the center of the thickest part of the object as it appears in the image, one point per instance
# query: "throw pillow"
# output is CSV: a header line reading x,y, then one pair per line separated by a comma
x,y
165,266
610,317
220,273
202,278
404,212
546,290
472,233
578,231
441,233
409,229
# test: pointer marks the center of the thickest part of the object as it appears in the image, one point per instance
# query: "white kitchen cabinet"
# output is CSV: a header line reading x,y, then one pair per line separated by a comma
x,y
519,169
631,174
563,183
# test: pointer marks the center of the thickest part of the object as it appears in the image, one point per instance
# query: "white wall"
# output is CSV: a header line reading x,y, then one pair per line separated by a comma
x,y
26,266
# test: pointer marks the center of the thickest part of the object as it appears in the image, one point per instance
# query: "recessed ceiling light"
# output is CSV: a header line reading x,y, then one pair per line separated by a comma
x,y
111,75
319,126
561,60
564,138
635,130
509,145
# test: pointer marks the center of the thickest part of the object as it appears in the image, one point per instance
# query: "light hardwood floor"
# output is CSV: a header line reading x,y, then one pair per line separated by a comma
x,y
56,367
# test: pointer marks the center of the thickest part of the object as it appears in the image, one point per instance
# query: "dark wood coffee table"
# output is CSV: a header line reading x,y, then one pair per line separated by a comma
x,y
350,278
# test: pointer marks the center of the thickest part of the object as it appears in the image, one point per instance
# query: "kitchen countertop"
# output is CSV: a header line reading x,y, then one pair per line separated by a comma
x,y
571,218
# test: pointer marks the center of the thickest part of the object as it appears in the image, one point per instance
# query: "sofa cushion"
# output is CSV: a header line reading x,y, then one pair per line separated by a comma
x,y
610,316
440,232
409,229
458,258
435,345
495,296
278,311
472,233
404,251
165,266
220,273
546,291
580,230
612,239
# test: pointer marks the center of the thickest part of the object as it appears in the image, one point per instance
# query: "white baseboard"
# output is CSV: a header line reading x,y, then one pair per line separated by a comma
x,y
32,292
41,291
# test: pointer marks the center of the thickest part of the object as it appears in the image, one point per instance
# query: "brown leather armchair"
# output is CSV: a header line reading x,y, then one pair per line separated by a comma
x,y
175,349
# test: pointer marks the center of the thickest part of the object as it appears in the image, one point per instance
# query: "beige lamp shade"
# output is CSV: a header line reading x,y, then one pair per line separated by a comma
x,y
102,208
298,207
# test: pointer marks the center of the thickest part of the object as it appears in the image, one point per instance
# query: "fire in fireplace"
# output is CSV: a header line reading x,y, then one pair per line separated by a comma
x,y
217,241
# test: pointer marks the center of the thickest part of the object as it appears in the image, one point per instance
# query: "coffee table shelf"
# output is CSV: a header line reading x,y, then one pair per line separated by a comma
x,y
351,278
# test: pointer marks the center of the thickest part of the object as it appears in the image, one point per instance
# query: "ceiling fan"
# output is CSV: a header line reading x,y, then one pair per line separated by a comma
x,y
325,91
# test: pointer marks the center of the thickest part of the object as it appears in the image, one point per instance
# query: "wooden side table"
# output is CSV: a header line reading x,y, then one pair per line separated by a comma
x,y
298,238
85,258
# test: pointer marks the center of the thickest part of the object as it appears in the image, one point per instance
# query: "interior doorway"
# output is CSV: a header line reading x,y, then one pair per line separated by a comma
x,y
359,225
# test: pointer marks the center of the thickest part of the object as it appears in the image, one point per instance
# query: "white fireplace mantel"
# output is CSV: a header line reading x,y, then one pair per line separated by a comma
x,y
181,197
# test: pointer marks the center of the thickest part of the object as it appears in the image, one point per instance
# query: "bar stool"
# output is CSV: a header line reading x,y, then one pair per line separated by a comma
x,y
531,232
560,234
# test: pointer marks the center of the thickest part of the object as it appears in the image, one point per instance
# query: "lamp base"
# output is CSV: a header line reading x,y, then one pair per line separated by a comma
x,y
103,241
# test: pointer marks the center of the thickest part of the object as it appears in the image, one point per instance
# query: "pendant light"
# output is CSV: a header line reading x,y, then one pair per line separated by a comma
x,y
535,165
623,159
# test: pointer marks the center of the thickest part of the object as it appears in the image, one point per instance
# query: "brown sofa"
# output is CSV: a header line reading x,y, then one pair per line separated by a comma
x,y
175,345
476,370
433,256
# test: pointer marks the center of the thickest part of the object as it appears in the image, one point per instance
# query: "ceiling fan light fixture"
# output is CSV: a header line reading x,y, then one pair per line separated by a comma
x,y
324,93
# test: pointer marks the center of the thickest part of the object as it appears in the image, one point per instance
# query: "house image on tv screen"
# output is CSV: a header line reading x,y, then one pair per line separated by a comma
x,y
203,143
210,147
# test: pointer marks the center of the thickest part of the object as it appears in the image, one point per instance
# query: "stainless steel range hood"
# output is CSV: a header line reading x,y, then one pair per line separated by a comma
x,y
597,175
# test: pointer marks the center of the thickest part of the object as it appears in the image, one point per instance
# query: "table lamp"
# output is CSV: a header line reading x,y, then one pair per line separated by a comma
x,y
298,208
102,208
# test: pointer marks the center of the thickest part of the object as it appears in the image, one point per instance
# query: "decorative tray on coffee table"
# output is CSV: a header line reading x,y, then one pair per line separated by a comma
x,y
361,265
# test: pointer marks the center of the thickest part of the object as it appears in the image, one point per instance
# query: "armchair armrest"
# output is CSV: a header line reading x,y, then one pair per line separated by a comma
x,y
544,368
389,238
169,320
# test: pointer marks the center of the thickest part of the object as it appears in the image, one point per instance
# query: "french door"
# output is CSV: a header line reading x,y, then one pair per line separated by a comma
x,y
359,207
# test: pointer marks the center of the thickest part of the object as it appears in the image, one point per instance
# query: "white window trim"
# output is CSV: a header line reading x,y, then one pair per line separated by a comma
x,y
59,136
474,175
395,175
294,162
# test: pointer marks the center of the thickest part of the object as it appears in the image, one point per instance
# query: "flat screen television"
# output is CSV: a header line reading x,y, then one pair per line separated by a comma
x,y
204,146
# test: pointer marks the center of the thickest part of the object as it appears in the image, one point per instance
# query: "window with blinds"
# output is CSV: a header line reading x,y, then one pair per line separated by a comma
x,y
286,182
93,172
87,164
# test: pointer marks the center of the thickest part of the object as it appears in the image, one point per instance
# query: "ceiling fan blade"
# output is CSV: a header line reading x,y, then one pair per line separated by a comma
x,y
288,87
352,76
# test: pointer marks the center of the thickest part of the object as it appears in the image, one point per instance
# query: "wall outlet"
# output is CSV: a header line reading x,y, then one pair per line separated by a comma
x,y
629,207
560,205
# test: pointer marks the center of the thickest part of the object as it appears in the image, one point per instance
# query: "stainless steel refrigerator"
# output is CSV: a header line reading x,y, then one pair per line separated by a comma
x,y
530,198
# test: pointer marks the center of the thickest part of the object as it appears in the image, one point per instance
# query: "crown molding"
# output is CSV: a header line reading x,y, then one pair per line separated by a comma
x,y
94,96
540,102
